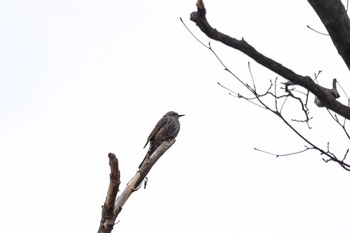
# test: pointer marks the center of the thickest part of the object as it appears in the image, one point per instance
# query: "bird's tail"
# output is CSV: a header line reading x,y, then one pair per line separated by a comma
x,y
149,153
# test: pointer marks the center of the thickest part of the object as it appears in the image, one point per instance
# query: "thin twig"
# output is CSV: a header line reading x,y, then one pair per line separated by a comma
x,y
251,76
192,33
323,34
278,155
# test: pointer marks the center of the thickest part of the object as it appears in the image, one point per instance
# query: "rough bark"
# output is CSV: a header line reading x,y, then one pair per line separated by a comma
x,y
335,18
305,81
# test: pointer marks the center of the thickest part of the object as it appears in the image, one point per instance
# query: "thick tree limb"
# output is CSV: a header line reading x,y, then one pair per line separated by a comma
x,y
113,206
336,20
305,81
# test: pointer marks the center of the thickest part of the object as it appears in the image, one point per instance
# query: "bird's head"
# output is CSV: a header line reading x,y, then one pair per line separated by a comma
x,y
174,114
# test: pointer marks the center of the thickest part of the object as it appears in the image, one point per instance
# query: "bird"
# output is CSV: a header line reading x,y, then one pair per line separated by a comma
x,y
166,129
334,92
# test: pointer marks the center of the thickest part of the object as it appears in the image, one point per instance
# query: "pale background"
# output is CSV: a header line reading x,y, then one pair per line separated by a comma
x,y
79,79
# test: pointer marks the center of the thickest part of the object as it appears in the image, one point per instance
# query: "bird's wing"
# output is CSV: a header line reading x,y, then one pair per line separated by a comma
x,y
156,129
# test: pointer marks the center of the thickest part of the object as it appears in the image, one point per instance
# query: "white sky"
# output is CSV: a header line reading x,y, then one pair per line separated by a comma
x,y
79,79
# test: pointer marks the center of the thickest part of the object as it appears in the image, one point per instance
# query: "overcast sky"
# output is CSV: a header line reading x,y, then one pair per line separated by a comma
x,y
80,79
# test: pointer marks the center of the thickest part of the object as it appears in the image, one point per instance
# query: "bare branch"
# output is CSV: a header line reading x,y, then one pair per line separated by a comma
x,y
321,33
150,161
107,220
342,125
324,96
251,76
305,81
113,206
278,155
335,18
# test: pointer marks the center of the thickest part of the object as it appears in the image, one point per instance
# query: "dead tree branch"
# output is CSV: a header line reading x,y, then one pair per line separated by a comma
x,y
305,81
107,220
279,99
112,206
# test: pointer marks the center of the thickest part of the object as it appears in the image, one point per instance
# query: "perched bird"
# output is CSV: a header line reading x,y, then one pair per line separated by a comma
x,y
166,129
334,92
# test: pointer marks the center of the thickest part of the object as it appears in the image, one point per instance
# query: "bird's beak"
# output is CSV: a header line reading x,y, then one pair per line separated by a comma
x,y
182,115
